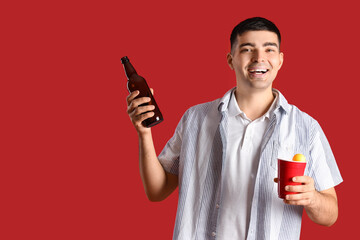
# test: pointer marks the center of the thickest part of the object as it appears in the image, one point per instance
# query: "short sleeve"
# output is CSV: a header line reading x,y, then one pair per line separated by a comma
x,y
169,156
323,169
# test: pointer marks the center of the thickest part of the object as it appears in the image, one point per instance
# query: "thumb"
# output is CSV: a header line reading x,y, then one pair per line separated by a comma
x,y
152,91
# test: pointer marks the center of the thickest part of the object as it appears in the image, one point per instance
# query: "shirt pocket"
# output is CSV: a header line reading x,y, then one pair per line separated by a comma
x,y
283,151
287,151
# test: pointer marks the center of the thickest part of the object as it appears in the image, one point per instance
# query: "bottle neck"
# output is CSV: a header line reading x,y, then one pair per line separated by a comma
x,y
129,69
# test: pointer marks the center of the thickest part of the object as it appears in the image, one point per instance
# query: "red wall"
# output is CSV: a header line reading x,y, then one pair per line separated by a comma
x,y
69,153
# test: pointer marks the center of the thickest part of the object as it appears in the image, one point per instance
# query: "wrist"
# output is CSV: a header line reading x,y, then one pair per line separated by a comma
x,y
145,133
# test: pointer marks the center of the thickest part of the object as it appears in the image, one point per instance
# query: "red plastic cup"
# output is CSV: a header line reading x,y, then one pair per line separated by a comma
x,y
286,171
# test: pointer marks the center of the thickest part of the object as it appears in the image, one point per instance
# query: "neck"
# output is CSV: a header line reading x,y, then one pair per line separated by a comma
x,y
254,104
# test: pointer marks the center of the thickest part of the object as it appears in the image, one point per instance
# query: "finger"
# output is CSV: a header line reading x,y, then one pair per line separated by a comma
x,y
131,96
297,199
303,202
144,116
302,179
298,196
152,91
144,109
136,102
295,188
299,188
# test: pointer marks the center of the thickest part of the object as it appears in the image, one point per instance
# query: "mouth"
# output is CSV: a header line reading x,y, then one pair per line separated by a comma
x,y
258,71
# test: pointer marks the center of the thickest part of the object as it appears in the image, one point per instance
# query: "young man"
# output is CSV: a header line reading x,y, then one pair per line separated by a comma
x,y
224,153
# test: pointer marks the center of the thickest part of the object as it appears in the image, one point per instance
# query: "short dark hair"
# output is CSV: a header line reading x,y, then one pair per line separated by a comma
x,y
253,24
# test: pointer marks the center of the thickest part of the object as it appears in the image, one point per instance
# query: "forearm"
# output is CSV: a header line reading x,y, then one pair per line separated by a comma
x,y
157,183
324,209
152,173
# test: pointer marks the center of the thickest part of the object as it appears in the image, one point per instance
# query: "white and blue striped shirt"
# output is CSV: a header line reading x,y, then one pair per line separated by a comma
x,y
197,153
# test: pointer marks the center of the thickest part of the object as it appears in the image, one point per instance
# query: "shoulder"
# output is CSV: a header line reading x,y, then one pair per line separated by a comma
x,y
292,113
299,114
199,111
304,124
213,107
210,111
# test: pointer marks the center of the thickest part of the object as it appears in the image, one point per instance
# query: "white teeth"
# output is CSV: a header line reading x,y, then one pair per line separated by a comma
x,y
258,71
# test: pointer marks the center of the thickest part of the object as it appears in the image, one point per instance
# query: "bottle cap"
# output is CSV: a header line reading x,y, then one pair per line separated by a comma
x,y
125,60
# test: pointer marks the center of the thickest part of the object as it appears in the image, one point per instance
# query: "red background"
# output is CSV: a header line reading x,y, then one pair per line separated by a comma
x,y
69,166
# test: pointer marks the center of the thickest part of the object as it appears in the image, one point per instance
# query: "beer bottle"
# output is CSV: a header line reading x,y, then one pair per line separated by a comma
x,y
136,82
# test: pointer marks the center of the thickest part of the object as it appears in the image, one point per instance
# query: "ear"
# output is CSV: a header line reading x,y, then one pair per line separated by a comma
x,y
281,60
229,60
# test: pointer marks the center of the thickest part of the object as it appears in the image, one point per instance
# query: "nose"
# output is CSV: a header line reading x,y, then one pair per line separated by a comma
x,y
258,56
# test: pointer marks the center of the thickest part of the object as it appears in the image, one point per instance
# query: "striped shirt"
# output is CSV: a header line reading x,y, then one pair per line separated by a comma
x,y
197,154
242,158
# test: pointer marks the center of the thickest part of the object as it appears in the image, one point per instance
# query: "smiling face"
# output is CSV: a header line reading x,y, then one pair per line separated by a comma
x,y
256,58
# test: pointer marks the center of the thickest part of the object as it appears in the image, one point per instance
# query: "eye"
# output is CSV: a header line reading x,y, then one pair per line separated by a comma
x,y
270,50
244,50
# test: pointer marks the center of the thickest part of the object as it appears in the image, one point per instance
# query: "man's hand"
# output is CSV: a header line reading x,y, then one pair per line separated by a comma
x,y
321,207
306,192
139,113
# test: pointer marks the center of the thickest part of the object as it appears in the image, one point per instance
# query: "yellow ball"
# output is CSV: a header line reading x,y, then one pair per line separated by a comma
x,y
299,158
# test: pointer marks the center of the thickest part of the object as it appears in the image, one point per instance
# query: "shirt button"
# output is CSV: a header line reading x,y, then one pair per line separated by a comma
x,y
217,206
213,234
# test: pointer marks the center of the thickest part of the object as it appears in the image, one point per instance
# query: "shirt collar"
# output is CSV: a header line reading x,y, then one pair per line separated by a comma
x,y
273,106
224,101
280,104
233,108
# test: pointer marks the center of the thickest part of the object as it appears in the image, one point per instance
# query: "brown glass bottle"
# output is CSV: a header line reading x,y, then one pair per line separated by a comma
x,y
136,82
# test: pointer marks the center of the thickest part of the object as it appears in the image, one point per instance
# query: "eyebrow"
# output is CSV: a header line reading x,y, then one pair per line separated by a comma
x,y
246,44
264,45
270,44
